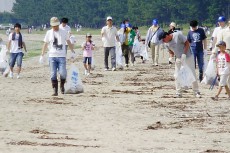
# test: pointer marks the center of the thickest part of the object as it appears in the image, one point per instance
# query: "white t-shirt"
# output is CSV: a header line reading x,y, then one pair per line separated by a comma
x,y
109,36
217,34
14,43
67,28
223,63
177,44
56,41
226,37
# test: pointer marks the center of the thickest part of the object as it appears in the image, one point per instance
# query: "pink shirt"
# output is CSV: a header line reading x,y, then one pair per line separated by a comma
x,y
223,63
88,49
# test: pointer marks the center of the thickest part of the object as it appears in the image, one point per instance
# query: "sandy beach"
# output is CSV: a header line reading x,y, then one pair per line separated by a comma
x,y
126,111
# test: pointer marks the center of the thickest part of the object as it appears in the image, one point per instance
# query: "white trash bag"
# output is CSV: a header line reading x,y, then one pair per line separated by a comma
x,y
73,83
210,73
3,59
119,57
144,52
93,62
184,76
137,49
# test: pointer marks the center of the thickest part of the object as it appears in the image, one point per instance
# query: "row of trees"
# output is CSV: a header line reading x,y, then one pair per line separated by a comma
x,y
92,13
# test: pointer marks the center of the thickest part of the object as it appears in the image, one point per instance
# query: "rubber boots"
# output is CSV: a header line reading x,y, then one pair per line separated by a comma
x,y
55,87
62,86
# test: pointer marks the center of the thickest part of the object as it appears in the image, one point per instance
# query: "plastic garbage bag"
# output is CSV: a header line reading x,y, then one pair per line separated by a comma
x,y
73,83
184,76
137,48
144,52
93,62
119,57
3,59
210,73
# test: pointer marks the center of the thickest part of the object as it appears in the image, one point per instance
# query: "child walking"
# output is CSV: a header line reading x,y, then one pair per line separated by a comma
x,y
223,69
87,47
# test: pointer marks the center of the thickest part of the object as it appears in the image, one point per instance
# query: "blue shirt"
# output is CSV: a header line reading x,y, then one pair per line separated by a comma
x,y
195,39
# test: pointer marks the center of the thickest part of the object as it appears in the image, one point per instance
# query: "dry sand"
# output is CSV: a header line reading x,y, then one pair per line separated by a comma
x,y
129,111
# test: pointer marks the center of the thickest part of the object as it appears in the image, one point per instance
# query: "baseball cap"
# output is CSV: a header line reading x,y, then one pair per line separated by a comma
x,y
155,22
88,35
54,21
221,19
173,24
162,35
109,18
220,43
122,25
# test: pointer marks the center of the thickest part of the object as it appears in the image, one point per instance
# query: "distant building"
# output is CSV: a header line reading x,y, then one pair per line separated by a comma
x,y
6,5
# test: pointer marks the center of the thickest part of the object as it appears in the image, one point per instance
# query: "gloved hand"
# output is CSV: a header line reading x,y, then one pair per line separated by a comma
x,y
41,60
183,58
171,59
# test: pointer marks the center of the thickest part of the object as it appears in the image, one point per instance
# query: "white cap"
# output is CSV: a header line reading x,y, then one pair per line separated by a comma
x,y
173,24
109,18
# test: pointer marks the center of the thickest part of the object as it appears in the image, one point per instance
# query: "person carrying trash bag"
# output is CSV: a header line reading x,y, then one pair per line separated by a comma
x,y
223,69
152,40
56,39
178,43
197,39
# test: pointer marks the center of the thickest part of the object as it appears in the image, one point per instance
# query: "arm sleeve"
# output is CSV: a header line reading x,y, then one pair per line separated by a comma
x,y
203,34
227,56
46,39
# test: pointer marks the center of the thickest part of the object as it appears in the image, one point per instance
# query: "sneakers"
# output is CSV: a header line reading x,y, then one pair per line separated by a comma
x,y
197,94
106,69
113,69
18,76
86,72
11,75
126,65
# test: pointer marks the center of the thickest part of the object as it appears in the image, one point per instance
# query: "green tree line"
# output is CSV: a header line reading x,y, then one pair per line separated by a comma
x,y
92,13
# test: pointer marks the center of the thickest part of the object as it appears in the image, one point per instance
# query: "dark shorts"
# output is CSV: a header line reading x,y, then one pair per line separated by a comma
x,y
16,57
87,60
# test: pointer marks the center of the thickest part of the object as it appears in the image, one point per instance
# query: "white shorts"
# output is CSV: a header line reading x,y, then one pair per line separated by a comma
x,y
223,80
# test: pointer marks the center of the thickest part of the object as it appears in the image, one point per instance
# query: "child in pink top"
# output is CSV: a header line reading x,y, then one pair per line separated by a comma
x,y
223,69
88,48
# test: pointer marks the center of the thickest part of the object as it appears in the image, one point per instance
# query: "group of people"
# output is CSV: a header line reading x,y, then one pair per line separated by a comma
x,y
191,50
182,50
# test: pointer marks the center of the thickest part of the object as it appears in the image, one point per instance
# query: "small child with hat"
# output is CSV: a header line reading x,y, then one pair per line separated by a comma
x,y
88,48
223,69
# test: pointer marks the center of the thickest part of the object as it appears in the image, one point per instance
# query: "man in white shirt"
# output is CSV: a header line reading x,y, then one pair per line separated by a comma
x,y
56,39
225,36
64,26
217,33
15,45
109,36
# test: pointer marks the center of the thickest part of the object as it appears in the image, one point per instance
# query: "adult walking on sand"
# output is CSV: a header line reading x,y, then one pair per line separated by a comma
x,y
56,39
109,36
152,39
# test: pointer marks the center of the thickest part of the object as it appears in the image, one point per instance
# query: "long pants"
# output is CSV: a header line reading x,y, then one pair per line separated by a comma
x,y
131,54
125,52
111,51
191,65
199,58
155,52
